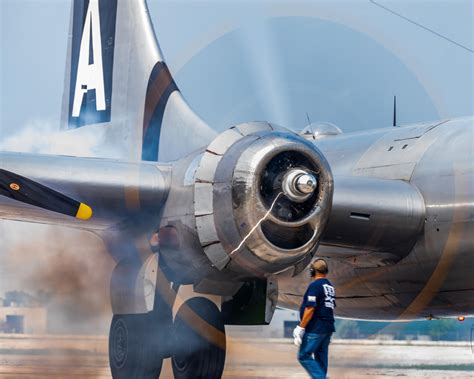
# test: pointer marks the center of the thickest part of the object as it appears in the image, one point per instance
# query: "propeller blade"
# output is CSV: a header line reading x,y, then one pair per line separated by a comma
x,y
28,191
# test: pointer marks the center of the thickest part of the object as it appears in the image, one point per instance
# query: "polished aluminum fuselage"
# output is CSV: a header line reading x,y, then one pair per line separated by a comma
x,y
400,236
434,277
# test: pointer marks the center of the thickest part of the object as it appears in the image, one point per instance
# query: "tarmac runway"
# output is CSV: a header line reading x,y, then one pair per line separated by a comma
x,y
61,357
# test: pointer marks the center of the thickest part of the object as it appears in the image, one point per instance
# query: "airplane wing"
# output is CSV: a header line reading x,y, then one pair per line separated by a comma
x,y
87,193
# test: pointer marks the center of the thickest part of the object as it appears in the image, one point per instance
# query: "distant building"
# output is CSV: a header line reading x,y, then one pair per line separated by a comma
x,y
22,313
23,320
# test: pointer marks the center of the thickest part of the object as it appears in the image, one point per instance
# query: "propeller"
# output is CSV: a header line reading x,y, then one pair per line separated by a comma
x,y
28,191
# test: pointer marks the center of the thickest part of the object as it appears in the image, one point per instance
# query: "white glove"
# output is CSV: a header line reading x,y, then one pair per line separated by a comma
x,y
298,335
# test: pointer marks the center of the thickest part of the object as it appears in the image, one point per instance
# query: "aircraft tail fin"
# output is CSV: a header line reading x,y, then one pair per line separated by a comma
x,y
118,86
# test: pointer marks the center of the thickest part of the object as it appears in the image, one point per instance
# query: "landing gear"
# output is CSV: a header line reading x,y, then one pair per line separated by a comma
x,y
200,341
133,347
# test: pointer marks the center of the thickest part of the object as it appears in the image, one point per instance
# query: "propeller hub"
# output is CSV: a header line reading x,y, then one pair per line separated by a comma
x,y
306,183
298,184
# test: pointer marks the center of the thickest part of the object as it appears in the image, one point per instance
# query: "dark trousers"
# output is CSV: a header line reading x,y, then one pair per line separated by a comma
x,y
313,354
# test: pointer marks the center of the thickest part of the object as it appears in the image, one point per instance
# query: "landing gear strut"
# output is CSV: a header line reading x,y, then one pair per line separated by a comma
x,y
200,341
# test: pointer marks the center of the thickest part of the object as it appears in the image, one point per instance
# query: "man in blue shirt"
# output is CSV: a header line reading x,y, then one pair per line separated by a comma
x,y
313,334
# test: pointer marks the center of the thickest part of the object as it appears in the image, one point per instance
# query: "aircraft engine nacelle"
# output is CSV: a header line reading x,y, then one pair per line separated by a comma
x,y
262,198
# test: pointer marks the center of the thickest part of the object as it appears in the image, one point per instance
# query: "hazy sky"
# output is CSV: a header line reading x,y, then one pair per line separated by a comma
x,y
340,61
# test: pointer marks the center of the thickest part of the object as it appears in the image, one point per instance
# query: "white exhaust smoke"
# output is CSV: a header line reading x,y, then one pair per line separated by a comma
x,y
43,137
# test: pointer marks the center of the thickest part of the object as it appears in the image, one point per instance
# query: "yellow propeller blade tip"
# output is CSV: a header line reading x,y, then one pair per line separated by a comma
x,y
84,212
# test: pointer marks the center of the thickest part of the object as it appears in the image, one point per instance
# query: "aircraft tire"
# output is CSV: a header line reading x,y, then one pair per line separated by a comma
x,y
199,350
132,348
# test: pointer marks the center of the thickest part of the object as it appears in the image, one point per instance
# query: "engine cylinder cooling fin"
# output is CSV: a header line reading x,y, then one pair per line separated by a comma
x,y
262,199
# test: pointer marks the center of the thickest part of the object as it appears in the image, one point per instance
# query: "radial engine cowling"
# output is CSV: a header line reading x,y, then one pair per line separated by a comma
x,y
262,199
